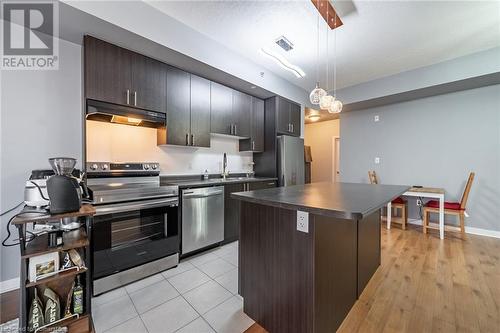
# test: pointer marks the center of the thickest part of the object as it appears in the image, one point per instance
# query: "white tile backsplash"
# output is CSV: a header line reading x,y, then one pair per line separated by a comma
x,y
122,143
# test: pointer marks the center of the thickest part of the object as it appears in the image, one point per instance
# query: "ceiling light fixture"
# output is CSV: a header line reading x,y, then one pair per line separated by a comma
x,y
328,102
283,63
317,93
336,106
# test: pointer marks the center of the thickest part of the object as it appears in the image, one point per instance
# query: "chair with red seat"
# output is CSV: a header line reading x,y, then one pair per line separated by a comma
x,y
450,208
398,203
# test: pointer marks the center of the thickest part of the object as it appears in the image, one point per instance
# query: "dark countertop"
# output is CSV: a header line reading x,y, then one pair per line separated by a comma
x,y
341,200
197,182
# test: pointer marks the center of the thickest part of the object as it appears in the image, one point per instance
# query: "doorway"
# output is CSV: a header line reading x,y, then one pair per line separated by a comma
x,y
335,159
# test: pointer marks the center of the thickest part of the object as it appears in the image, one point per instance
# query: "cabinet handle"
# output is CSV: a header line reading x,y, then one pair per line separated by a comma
x,y
187,139
272,184
292,127
128,96
135,98
192,139
235,129
253,145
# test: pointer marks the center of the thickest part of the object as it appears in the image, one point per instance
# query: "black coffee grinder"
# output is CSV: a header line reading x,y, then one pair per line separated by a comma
x,y
65,194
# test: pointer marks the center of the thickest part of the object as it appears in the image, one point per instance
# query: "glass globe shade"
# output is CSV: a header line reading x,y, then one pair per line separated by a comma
x,y
316,95
335,107
326,101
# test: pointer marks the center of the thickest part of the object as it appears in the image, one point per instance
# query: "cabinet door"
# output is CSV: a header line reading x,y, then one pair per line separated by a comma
x,y
107,71
200,111
257,130
178,108
231,213
221,109
295,120
261,185
283,116
149,83
242,111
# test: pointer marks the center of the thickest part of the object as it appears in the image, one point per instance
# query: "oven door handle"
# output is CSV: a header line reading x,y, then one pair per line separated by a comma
x,y
128,207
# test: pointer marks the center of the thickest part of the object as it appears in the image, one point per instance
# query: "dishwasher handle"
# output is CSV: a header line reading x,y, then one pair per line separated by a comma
x,y
194,195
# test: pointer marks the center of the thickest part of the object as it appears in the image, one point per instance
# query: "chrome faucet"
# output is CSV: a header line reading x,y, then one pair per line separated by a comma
x,y
224,167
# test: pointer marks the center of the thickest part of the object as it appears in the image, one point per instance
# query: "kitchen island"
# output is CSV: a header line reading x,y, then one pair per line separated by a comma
x,y
307,280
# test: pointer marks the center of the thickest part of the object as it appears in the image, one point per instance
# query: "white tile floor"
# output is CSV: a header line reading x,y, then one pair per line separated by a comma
x,y
200,295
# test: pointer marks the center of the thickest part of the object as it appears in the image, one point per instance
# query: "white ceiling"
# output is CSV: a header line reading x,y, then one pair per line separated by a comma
x,y
381,38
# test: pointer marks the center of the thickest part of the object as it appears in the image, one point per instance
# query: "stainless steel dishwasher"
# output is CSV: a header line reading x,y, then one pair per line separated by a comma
x,y
202,217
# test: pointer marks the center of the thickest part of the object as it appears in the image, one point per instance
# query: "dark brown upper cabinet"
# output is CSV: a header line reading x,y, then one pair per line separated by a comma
x,y
241,113
149,83
107,71
200,111
288,117
117,75
230,111
256,141
188,105
221,109
178,107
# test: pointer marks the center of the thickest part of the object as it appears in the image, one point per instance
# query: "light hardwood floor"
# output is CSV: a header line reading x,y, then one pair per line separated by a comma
x,y
425,284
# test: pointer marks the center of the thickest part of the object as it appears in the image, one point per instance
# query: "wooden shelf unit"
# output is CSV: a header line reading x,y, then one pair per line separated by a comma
x,y
75,325
85,210
58,276
71,240
61,283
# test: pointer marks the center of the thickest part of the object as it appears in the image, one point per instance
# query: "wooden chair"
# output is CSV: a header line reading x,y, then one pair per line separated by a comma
x,y
450,208
398,203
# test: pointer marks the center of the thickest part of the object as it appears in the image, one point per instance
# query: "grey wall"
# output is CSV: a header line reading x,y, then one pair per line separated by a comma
x,y
434,142
466,67
40,117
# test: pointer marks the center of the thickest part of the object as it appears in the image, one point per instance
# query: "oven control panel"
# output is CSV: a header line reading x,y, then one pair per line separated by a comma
x,y
122,168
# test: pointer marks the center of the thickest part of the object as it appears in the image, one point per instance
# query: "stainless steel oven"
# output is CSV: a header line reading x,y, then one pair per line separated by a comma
x,y
135,231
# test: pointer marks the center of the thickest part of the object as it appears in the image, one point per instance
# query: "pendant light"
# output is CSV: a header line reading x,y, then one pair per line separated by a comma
x,y
317,93
327,100
336,105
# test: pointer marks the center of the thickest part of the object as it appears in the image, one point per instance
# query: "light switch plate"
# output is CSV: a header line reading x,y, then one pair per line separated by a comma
x,y
303,221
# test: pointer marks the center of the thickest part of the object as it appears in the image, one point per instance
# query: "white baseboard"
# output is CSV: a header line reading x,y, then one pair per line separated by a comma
x,y
468,230
482,232
9,285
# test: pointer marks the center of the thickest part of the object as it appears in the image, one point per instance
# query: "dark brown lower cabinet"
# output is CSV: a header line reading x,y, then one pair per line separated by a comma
x,y
232,212
298,282
261,185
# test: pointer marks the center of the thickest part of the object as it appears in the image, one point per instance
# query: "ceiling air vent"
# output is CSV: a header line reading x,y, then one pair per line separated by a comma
x,y
284,43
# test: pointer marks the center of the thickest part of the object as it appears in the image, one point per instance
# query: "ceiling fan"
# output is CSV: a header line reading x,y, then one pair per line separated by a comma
x,y
333,10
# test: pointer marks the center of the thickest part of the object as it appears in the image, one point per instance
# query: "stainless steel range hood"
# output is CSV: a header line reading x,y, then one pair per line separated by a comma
x,y
125,115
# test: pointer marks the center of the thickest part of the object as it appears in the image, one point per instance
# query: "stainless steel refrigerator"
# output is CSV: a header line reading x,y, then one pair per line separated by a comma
x,y
290,160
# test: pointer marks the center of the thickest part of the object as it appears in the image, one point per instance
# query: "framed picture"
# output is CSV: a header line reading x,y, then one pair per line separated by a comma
x,y
43,264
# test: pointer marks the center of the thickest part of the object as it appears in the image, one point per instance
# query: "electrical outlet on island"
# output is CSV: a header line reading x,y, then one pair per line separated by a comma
x,y
303,221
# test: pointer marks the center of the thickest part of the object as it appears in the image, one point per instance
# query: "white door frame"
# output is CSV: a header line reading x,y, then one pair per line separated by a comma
x,y
335,167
